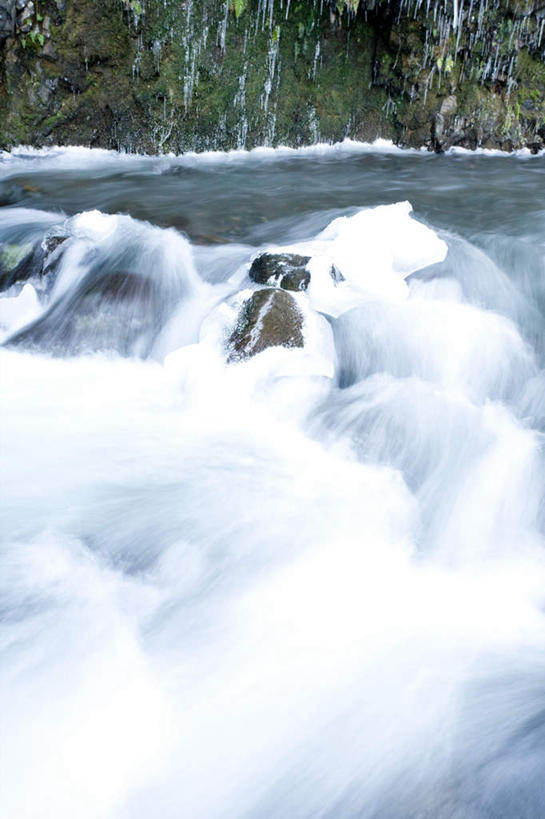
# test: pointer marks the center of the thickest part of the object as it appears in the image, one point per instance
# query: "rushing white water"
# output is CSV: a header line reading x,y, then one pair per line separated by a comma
x,y
309,584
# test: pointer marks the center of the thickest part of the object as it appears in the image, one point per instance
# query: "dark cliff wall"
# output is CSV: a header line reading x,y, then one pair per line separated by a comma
x,y
158,75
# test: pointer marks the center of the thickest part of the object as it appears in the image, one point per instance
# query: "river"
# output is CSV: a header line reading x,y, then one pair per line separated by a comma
x,y
309,584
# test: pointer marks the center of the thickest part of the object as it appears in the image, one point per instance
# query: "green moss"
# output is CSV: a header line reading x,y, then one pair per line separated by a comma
x,y
165,75
12,255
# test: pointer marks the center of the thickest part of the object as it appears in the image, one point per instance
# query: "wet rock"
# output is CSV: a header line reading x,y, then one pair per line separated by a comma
x,y
75,77
7,18
53,247
25,15
52,242
269,318
21,262
107,311
285,270
47,87
443,122
418,63
296,280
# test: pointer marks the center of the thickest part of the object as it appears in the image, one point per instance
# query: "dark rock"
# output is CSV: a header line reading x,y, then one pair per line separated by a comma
x,y
7,18
54,247
51,243
269,318
443,122
25,15
15,268
20,266
296,280
285,270
75,78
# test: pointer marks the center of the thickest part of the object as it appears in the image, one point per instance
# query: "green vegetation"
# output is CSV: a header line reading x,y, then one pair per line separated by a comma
x,y
174,75
12,255
238,7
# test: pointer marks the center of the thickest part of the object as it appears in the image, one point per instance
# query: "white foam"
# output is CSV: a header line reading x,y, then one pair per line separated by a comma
x,y
28,217
77,158
94,224
238,590
374,251
16,311
519,153
378,246
164,254
478,353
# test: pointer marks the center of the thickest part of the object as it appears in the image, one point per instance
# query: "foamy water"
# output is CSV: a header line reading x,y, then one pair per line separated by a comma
x,y
309,584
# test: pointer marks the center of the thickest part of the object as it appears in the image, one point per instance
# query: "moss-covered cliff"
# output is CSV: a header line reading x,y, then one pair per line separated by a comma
x,y
158,75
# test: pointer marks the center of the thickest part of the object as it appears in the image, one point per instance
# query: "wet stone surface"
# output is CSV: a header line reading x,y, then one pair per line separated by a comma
x,y
285,270
21,262
269,318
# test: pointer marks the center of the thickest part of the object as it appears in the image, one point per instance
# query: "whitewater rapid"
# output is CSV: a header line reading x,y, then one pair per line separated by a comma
x,y
306,584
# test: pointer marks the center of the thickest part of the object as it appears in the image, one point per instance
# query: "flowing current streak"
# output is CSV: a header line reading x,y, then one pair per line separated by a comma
x,y
306,585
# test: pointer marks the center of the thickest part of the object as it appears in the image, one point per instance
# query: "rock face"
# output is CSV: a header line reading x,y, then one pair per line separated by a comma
x,y
285,270
7,18
165,75
269,318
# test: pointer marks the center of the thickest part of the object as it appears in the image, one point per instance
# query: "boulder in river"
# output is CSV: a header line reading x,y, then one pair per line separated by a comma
x,y
21,262
269,318
285,270
106,311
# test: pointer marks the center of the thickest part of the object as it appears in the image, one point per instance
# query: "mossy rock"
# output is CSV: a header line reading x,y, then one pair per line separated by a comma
x,y
11,255
269,318
21,262
285,270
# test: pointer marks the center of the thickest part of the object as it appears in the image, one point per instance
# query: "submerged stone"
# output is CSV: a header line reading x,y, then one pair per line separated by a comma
x,y
114,311
285,270
269,318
